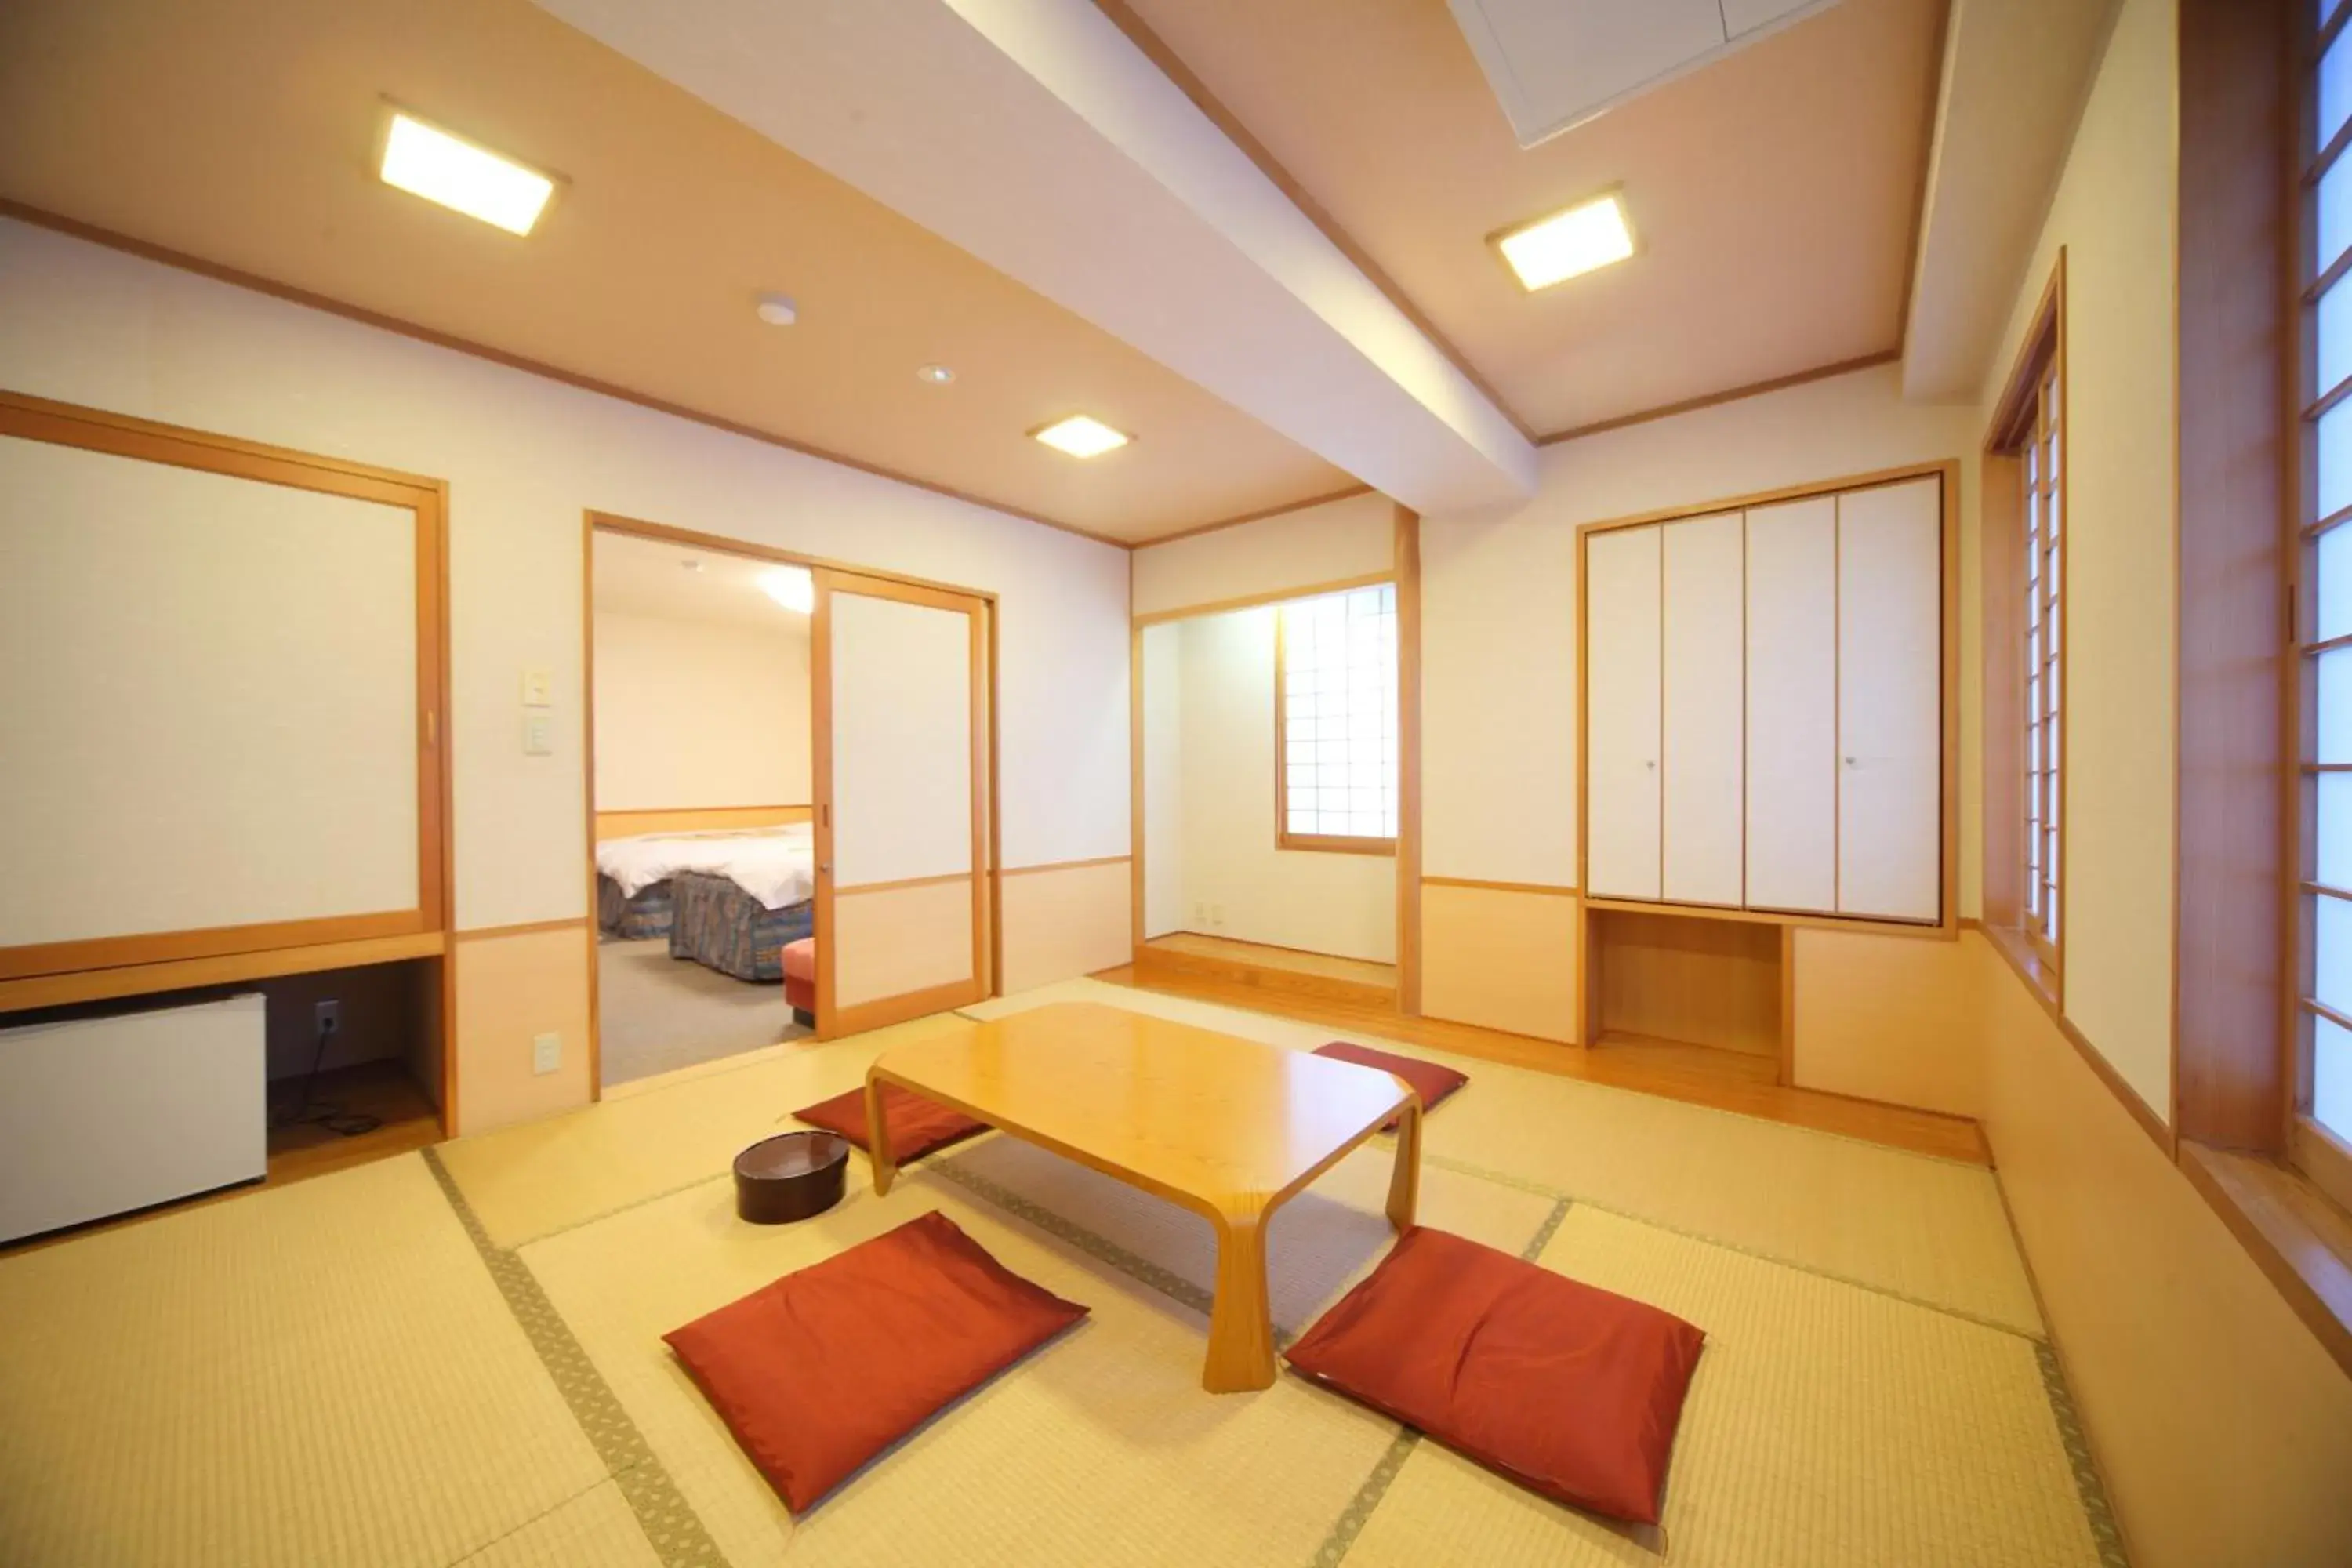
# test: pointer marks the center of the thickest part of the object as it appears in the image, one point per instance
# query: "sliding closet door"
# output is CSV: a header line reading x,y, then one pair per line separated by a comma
x,y
901,751
1890,700
1622,720
1792,658
1704,707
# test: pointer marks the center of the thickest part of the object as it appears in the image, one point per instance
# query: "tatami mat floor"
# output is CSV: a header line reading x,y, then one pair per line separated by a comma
x,y
455,1357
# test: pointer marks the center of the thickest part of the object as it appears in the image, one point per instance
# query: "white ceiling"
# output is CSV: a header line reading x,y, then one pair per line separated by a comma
x,y
637,577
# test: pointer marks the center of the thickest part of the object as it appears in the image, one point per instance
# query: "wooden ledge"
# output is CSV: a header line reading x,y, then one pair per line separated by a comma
x,y
2297,1236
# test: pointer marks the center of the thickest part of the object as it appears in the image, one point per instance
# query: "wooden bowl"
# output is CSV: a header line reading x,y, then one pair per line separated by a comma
x,y
790,1176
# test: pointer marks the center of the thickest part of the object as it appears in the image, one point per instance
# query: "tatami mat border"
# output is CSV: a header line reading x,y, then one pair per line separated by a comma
x,y
2092,1492
672,1527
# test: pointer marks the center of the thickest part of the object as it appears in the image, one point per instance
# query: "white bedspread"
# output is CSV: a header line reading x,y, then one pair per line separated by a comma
x,y
776,865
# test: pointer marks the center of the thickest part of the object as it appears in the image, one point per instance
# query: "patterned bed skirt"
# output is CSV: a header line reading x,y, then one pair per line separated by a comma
x,y
646,915
721,926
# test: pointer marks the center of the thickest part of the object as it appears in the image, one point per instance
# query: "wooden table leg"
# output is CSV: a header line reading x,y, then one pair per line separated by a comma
x,y
1241,1322
877,1138
1404,1180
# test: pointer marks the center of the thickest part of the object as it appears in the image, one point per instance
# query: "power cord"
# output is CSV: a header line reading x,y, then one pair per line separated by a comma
x,y
328,1115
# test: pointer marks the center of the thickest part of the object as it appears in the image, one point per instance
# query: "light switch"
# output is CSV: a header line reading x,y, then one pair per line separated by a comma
x,y
538,688
546,1053
538,732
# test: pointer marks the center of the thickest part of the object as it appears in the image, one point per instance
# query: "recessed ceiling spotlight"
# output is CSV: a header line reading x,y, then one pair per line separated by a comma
x,y
426,161
1552,249
1082,436
691,564
777,309
936,375
793,587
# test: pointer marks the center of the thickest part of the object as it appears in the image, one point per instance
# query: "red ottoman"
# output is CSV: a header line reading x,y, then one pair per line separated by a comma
x,y
800,978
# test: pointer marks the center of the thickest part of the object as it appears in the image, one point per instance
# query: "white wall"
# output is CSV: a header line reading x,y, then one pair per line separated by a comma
x,y
2115,213
1318,900
524,456
1165,909
1498,603
697,713
1314,545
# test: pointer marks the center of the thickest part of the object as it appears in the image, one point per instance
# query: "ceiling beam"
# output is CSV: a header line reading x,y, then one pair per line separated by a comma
x,y
1038,137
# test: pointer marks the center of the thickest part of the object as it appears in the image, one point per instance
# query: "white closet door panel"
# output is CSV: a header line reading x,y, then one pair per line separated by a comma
x,y
1792,574
1622,727
1703,710
1890,702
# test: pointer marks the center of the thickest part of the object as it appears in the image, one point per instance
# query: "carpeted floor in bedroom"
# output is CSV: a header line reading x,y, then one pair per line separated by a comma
x,y
454,1357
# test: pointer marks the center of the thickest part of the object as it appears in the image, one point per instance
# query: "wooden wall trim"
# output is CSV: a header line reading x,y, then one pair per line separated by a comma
x,y
2009,946
753,549
528,928
1273,596
1063,865
694,818
1729,394
1407,563
1544,889
1260,515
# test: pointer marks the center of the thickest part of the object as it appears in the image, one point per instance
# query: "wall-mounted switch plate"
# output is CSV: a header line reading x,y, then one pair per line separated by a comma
x,y
546,1052
538,688
538,732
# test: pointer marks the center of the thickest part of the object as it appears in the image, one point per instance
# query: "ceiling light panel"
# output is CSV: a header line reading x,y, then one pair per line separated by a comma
x,y
1553,250
1081,436
426,161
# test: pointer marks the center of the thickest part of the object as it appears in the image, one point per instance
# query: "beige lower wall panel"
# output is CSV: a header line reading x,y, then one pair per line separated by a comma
x,y
510,989
893,941
1889,1018
1065,922
2224,1428
1500,959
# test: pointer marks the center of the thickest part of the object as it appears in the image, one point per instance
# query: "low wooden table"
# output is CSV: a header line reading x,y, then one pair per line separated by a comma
x,y
1228,1128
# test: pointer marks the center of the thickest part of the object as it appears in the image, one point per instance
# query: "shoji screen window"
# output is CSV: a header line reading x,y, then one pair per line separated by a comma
x,y
2324,1018
2045,664
1335,665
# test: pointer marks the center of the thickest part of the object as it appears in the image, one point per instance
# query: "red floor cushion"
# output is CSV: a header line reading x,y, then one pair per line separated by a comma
x,y
1429,1080
916,1125
829,1366
1568,1390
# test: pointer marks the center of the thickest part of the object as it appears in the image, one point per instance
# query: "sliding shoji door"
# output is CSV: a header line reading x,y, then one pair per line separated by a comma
x,y
1792,709
1890,702
1624,719
1704,709
900,782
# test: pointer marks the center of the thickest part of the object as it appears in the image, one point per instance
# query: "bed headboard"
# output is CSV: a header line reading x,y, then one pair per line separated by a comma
x,y
697,819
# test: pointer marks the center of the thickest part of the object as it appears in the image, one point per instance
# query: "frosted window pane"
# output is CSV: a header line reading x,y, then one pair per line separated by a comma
x,y
2335,214
2332,740
2335,443
2331,1076
2332,852
2335,585
2335,337
2331,953
2335,89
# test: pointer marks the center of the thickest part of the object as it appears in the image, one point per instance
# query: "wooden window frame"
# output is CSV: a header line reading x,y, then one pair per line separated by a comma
x,y
1325,843
2323,1154
2027,512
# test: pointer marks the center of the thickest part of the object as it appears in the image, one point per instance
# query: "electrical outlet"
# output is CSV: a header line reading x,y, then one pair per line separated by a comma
x,y
1200,914
1216,914
546,1052
327,1017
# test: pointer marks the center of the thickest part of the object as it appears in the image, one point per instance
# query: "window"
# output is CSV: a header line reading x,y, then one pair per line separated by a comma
x,y
2323,605
2044,550
1335,673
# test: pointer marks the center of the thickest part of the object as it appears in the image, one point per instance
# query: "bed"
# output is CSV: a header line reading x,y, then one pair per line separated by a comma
x,y
722,927
728,900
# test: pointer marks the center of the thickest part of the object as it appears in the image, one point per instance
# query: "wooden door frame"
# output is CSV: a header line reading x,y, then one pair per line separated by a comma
x,y
989,969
